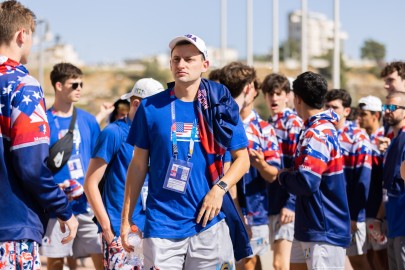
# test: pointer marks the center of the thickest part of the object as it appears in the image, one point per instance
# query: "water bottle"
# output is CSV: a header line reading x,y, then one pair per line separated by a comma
x,y
381,239
135,258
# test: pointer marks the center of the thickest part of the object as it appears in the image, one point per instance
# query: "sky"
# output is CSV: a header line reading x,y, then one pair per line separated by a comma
x,y
111,31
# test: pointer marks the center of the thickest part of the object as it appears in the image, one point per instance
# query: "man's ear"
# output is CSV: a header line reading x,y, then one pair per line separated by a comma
x,y
346,111
136,102
58,86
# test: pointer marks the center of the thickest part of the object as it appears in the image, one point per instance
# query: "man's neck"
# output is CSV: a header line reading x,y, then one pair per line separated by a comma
x,y
372,129
62,108
398,127
246,111
341,124
186,91
10,52
308,113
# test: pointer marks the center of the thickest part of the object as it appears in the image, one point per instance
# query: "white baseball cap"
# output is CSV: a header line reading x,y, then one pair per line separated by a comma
x,y
144,88
193,39
370,103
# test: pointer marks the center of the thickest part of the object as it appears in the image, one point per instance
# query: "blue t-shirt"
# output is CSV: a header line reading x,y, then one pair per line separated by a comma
x,y
112,147
84,139
170,214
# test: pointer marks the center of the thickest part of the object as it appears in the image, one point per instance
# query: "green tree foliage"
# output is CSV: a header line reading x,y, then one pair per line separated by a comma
x,y
373,50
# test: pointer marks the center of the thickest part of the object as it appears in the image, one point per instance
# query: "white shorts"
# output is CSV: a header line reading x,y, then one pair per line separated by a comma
x,y
86,242
260,240
318,255
210,249
358,245
371,242
280,231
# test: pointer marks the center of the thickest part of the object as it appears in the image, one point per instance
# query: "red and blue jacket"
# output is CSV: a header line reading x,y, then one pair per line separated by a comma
x,y
317,179
29,192
288,126
252,193
356,151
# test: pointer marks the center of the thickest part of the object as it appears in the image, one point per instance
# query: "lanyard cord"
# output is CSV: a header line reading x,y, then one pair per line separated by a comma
x,y
174,131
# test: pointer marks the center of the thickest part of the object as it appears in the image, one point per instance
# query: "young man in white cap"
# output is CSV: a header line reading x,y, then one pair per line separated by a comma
x,y
369,117
184,132
110,159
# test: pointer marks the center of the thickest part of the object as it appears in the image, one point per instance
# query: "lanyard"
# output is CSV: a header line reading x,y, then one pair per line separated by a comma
x,y
174,132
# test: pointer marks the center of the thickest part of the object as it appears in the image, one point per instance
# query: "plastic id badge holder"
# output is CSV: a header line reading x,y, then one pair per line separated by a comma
x,y
177,175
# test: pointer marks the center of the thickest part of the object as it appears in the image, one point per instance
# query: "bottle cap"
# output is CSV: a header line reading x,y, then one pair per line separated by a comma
x,y
134,228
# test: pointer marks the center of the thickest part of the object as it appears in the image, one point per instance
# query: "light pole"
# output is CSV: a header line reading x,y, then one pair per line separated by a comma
x,y
276,57
249,33
223,31
43,36
304,35
336,50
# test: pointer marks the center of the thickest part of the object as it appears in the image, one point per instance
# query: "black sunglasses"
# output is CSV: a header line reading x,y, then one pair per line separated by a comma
x,y
391,107
76,84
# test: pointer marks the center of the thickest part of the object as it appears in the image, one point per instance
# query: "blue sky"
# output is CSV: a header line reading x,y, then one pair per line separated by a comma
x,y
103,31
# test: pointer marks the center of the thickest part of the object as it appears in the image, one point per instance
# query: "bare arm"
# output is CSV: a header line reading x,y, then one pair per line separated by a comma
x,y
135,178
213,200
95,172
403,170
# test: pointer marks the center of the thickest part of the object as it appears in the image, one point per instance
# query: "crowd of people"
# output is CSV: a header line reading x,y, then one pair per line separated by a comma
x,y
196,169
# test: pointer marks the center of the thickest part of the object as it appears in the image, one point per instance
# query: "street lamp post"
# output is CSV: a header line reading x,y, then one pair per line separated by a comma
x,y
43,36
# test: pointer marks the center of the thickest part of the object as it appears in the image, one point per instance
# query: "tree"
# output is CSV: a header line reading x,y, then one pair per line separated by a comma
x,y
373,50
327,71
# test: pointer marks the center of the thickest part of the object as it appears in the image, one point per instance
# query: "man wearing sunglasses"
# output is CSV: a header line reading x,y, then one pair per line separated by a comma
x,y
394,204
67,82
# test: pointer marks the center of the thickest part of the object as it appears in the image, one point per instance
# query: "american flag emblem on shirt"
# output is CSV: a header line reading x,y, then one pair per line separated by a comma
x,y
183,132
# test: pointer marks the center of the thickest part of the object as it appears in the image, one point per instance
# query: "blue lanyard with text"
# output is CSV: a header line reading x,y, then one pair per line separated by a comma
x,y
56,121
174,132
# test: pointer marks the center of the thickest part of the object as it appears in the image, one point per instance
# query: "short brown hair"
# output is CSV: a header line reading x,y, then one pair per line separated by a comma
x,y
235,76
63,71
275,81
398,66
13,17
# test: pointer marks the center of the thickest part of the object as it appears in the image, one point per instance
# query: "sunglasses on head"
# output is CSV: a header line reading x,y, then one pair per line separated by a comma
x,y
391,107
76,84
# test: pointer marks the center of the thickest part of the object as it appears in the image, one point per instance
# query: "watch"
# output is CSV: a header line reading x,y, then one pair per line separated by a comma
x,y
223,186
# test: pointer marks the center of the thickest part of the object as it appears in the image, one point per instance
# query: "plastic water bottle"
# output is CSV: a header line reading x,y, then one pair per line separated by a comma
x,y
381,239
135,258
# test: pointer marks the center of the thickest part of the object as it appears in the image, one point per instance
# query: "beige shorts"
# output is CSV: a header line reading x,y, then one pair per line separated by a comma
x,y
210,249
318,255
260,240
86,242
280,231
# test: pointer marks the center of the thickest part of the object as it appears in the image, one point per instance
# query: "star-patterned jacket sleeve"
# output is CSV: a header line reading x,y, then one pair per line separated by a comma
x,y
29,145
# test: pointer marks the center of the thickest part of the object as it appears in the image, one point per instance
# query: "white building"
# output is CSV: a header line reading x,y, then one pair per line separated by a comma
x,y
320,33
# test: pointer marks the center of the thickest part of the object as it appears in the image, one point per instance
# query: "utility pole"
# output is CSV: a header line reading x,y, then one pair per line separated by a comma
x,y
276,57
223,32
249,33
304,35
336,49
